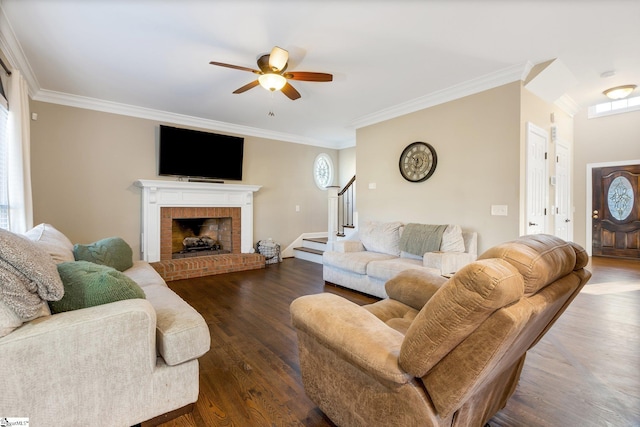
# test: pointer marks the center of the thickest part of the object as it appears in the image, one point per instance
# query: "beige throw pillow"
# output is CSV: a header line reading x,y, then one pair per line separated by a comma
x,y
382,237
452,240
52,241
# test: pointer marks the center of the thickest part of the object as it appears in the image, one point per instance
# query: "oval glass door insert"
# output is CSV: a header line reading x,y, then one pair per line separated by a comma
x,y
620,198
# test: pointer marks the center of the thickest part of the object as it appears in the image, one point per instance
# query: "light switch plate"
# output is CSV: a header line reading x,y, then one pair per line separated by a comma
x,y
499,210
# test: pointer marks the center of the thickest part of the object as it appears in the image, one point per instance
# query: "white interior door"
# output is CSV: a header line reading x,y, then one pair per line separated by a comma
x,y
563,214
537,187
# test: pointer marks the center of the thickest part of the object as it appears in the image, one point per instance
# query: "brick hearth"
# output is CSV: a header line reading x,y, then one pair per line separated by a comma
x,y
185,268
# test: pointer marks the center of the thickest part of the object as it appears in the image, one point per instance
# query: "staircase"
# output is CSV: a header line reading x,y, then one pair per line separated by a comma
x,y
341,223
312,249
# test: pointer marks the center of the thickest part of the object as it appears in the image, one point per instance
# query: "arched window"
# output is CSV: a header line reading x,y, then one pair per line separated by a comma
x,y
323,171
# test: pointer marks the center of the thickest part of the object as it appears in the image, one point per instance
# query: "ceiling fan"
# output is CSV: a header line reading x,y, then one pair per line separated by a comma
x,y
273,75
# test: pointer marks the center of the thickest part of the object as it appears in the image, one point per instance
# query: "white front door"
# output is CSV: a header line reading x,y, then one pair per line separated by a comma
x,y
536,208
563,224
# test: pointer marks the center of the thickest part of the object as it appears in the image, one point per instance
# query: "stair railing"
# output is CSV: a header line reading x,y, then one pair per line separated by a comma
x,y
346,206
341,210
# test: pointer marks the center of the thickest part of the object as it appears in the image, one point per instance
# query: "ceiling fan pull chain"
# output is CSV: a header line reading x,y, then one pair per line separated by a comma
x,y
271,113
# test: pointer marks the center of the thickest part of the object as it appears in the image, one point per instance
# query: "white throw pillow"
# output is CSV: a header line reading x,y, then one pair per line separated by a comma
x,y
452,240
52,241
381,237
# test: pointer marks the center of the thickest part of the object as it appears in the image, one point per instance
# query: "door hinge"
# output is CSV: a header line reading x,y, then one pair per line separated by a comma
x,y
545,211
545,155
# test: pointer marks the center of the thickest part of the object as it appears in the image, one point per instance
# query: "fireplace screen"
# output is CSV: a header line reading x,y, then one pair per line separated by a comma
x,y
193,237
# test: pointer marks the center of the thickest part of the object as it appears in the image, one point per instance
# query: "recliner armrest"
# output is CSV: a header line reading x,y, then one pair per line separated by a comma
x,y
414,287
352,332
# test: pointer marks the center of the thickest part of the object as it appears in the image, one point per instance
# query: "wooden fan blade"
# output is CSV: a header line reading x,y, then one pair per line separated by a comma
x,y
278,59
247,87
308,76
290,92
235,67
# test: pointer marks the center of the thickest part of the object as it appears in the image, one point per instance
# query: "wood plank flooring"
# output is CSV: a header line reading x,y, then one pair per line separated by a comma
x,y
584,372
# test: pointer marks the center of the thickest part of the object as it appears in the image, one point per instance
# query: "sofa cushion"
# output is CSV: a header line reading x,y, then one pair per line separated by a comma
x,y
452,240
181,332
382,237
113,252
386,269
355,262
87,284
52,241
144,275
28,275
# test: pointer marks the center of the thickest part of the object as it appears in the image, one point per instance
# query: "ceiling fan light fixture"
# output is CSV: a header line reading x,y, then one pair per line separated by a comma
x,y
619,92
278,58
272,82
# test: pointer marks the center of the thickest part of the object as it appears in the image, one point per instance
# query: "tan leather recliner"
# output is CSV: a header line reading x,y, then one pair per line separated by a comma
x,y
437,352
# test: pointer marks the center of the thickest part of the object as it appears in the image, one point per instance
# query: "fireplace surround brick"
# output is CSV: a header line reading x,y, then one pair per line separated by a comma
x,y
186,268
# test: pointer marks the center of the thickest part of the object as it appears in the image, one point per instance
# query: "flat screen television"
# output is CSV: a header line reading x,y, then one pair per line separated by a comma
x,y
203,155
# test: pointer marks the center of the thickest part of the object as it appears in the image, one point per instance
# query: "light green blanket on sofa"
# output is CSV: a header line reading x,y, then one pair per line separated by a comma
x,y
419,239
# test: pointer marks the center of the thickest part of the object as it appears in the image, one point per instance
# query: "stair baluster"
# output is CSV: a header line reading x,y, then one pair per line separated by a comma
x,y
346,207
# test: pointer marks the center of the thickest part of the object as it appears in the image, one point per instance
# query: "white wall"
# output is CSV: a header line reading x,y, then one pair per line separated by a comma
x,y
477,140
84,164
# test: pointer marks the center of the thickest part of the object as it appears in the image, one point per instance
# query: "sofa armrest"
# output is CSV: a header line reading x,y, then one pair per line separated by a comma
x,y
470,242
76,354
351,332
447,262
344,246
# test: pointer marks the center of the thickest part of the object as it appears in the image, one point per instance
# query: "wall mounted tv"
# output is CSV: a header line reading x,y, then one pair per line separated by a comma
x,y
203,155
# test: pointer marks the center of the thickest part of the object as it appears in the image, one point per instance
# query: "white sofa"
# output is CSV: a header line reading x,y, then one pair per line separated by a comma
x,y
116,364
375,254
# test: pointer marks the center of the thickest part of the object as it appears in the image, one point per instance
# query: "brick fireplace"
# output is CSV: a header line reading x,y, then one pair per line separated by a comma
x,y
179,223
177,214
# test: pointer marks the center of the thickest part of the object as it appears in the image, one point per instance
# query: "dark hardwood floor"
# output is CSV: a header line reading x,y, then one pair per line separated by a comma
x,y
584,372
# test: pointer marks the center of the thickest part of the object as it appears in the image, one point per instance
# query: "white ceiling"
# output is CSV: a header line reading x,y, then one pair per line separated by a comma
x,y
150,58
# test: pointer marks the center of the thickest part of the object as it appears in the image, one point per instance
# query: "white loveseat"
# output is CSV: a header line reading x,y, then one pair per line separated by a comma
x,y
115,364
375,254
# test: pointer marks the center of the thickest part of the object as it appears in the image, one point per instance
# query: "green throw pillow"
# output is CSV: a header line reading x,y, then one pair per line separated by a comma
x,y
87,284
112,251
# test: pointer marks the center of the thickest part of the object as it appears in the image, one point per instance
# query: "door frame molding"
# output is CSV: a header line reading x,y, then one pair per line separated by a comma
x,y
589,198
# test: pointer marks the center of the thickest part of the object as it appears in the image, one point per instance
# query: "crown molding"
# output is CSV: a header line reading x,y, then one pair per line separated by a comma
x,y
12,49
16,57
568,105
14,53
168,117
470,87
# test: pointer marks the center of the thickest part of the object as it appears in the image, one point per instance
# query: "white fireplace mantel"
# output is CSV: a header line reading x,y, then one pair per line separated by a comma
x,y
157,194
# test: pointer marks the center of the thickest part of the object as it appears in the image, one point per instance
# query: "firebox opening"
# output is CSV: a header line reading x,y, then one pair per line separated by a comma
x,y
193,237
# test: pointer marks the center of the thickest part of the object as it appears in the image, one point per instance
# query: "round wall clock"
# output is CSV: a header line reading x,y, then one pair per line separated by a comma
x,y
418,162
